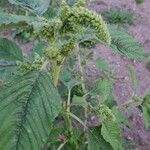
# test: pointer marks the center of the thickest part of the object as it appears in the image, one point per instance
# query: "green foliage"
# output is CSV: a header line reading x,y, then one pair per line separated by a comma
x,y
120,116
14,21
9,50
79,101
23,35
103,88
96,140
87,38
38,47
7,70
146,110
38,6
118,16
77,90
110,128
125,44
89,19
102,65
33,103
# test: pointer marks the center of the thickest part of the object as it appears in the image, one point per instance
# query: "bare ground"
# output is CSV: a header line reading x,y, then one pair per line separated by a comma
x,y
122,87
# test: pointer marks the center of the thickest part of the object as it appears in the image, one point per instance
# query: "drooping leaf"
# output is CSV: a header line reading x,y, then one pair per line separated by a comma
x,y
96,140
146,110
10,50
125,44
103,88
79,101
15,21
133,78
36,6
28,105
110,128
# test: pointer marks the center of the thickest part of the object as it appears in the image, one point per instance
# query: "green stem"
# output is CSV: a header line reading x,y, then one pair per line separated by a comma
x,y
82,74
68,120
83,83
69,123
62,145
55,73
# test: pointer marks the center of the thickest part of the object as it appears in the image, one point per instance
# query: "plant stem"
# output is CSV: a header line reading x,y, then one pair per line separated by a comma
x,y
67,118
62,145
55,73
82,74
83,83
69,100
56,70
68,111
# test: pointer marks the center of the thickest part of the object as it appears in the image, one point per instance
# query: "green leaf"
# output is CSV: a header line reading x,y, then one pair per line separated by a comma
x,y
110,102
103,88
79,101
28,105
96,140
37,47
87,35
132,74
146,110
146,113
102,64
119,16
9,50
125,44
110,129
36,6
65,75
7,69
51,12
120,116
15,21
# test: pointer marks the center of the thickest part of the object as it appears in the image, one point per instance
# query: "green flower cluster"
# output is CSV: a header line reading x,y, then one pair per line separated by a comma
x,y
71,21
65,11
82,17
50,30
58,53
106,114
91,19
80,3
24,67
74,20
29,66
67,47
